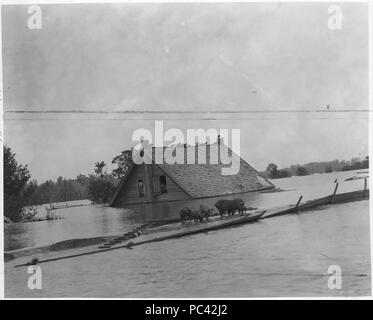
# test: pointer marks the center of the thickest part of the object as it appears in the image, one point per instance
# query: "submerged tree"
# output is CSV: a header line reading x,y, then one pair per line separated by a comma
x,y
301,171
273,173
272,170
101,185
328,169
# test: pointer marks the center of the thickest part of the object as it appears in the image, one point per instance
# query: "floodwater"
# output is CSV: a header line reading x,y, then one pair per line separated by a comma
x,y
282,256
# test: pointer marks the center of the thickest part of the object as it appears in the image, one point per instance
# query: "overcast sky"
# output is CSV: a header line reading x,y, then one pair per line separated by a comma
x,y
203,57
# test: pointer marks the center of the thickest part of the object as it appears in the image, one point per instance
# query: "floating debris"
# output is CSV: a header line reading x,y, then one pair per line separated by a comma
x,y
33,262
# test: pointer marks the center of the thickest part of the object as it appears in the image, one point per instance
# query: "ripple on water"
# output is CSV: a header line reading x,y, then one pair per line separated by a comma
x,y
282,256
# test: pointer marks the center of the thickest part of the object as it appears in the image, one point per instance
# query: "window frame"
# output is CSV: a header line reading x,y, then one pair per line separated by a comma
x,y
141,195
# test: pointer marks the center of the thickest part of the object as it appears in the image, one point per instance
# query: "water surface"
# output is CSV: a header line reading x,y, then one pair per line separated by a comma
x,y
281,256
92,221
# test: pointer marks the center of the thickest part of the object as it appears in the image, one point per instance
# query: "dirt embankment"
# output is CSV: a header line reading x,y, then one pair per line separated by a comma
x,y
58,246
77,243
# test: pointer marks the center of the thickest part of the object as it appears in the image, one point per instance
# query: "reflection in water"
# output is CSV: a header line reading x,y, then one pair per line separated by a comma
x,y
170,210
92,221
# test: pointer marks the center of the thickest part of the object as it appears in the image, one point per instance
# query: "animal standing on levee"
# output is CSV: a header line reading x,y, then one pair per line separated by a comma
x,y
224,206
231,206
205,212
187,214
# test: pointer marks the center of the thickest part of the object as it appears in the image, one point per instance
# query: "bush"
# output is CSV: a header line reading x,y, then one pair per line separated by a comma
x,y
101,189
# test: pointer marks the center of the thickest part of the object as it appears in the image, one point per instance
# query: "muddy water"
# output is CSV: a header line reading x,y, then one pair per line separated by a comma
x,y
91,221
282,256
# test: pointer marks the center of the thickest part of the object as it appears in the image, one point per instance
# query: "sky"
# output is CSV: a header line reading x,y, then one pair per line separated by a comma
x,y
249,60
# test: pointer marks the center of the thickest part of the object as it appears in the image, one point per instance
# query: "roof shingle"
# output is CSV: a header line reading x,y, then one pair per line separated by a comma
x,y
206,180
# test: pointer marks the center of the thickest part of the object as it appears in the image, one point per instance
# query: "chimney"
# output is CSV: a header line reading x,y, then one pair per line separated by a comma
x,y
196,153
219,149
148,181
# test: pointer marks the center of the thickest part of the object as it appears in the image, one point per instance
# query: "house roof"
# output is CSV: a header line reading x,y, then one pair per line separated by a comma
x,y
206,180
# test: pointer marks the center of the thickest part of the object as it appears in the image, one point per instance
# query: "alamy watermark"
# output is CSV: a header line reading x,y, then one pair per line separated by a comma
x,y
335,280
171,147
34,20
35,280
335,17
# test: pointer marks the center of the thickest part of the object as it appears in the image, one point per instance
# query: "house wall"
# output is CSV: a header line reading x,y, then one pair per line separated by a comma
x,y
129,192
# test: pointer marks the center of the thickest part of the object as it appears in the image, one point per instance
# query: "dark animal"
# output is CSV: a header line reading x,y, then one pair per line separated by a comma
x,y
196,216
187,214
205,212
230,206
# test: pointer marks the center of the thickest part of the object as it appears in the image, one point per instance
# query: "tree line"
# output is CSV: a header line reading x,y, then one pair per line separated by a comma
x,y
22,193
273,172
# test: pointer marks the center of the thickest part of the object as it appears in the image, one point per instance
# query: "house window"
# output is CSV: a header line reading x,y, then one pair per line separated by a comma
x,y
156,185
141,188
159,184
163,185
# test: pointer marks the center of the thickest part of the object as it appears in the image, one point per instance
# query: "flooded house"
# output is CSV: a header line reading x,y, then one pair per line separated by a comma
x,y
162,182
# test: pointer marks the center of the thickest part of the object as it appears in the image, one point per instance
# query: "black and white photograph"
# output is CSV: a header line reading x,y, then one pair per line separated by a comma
x,y
186,150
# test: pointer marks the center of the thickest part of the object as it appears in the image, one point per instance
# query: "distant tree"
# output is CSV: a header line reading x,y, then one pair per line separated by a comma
x,y
30,190
366,162
123,162
99,167
328,169
301,171
346,168
101,185
355,161
272,171
16,177
83,180
61,190
283,173
100,190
